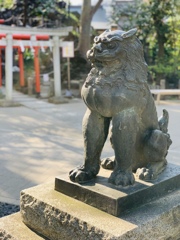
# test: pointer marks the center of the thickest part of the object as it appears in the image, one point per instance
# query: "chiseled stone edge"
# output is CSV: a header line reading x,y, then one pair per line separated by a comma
x,y
12,227
6,236
56,224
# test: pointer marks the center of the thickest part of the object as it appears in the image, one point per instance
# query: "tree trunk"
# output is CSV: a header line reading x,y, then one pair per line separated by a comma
x,y
85,26
160,46
160,55
25,13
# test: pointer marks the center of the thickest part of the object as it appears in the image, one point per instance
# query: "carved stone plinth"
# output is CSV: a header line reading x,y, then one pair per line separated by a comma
x,y
57,216
116,199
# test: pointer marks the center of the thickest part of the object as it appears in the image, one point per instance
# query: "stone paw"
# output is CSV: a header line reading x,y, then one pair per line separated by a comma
x,y
81,175
108,163
122,178
145,174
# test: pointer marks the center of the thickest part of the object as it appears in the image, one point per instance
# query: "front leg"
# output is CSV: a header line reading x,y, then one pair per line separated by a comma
x,y
95,131
124,135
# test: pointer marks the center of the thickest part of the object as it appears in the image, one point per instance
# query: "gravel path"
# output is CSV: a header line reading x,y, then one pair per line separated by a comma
x,y
7,209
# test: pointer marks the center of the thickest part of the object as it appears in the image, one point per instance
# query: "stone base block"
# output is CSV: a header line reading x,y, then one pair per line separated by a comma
x,y
12,228
58,217
116,199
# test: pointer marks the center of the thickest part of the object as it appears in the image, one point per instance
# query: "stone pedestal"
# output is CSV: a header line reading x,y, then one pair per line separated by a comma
x,y
30,82
57,216
116,199
12,228
152,211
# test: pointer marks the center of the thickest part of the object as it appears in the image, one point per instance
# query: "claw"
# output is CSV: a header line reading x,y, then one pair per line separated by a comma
x,y
122,178
108,163
80,175
145,174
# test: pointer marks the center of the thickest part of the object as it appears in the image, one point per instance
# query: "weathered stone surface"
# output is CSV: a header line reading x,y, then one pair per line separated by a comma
x,y
12,228
4,235
58,217
160,221
118,99
117,199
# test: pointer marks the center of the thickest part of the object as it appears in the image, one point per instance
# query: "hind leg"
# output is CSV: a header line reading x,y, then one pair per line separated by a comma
x,y
108,163
155,152
95,131
151,171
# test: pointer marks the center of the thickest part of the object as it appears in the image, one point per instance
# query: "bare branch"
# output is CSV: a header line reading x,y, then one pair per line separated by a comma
x,y
95,8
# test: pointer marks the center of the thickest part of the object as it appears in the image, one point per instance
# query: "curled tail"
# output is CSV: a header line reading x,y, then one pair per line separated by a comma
x,y
163,121
163,125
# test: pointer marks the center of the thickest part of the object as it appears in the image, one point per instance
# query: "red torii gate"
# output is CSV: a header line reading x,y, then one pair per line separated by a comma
x,y
21,60
34,38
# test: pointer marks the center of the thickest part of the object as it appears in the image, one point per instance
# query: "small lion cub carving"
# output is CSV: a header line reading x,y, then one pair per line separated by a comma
x,y
116,92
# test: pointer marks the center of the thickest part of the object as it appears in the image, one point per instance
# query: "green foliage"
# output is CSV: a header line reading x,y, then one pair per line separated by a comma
x,y
74,17
28,55
28,60
6,3
34,12
158,26
43,8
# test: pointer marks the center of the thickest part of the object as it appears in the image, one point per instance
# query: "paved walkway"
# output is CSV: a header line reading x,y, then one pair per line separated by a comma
x,y
40,140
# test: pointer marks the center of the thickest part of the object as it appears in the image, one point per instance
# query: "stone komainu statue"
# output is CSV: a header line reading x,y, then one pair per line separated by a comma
x,y
116,92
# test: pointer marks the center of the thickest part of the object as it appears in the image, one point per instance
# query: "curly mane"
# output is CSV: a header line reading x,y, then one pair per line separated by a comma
x,y
135,67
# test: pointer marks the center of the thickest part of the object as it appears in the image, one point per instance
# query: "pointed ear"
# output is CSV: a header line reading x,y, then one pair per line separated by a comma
x,y
129,33
107,30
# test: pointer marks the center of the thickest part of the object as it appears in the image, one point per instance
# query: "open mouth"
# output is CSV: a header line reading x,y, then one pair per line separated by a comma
x,y
103,53
103,57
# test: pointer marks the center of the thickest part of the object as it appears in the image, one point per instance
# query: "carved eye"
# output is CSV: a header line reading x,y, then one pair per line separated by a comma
x,y
96,39
111,45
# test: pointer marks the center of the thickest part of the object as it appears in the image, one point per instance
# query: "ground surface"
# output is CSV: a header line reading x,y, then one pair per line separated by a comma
x,y
40,140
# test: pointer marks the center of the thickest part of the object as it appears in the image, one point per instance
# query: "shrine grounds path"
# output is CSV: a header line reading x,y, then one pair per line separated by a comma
x,y
39,141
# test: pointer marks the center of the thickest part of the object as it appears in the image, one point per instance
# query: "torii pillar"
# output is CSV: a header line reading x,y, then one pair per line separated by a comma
x,y
56,65
57,73
9,67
